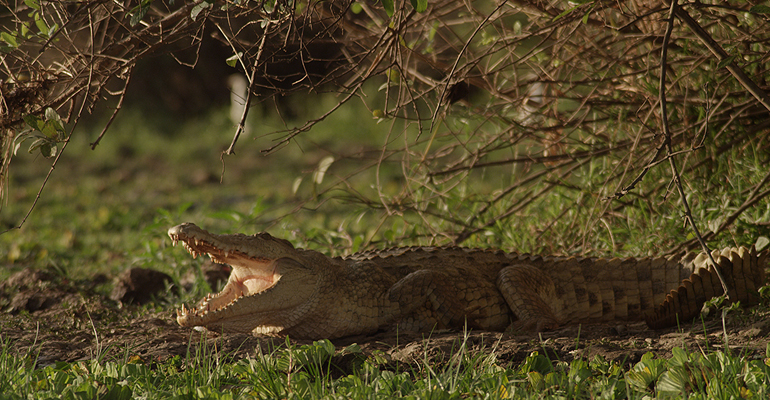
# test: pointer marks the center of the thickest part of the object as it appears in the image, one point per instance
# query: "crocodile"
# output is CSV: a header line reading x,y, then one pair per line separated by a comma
x,y
276,289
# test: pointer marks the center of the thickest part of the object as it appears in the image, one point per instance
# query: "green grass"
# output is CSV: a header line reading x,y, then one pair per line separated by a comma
x,y
314,372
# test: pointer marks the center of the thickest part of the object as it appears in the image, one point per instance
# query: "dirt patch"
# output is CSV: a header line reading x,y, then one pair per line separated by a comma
x,y
53,319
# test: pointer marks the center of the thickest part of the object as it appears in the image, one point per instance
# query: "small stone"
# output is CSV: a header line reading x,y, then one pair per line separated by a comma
x,y
30,300
139,285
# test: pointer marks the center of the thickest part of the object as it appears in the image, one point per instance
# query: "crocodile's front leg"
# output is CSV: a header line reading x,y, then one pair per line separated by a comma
x,y
531,294
432,299
426,301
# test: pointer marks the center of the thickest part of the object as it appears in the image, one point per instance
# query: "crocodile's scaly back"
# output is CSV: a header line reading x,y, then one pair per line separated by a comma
x,y
277,289
546,292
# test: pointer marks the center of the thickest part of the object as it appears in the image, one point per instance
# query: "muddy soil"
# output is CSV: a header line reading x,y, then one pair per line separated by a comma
x,y
52,319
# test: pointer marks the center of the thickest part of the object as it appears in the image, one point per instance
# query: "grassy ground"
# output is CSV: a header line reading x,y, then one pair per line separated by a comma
x,y
107,210
313,372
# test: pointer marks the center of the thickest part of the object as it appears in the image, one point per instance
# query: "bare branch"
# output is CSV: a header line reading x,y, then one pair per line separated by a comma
x,y
669,148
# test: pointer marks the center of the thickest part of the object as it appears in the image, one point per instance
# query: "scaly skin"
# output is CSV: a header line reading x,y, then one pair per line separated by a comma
x,y
279,290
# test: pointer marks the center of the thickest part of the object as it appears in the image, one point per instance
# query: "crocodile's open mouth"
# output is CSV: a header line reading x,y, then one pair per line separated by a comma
x,y
250,276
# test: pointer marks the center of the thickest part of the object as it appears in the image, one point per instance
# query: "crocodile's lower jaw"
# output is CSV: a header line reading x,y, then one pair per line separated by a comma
x,y
211,304
247,278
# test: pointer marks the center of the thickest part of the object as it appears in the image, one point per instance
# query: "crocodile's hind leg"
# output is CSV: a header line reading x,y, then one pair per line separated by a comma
x,y
526,289
429,299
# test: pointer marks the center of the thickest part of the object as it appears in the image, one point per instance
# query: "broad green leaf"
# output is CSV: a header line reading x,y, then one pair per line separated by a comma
x,y
8,38
394,76
318,175
48,150
760,9
41,25
352,349
357,242
197,9
37,143
725,62
585,17
34,121
674,381
388,6
25,30
563,13
53,118
138,12
536,380
679,357
233,59
761,243
49,130
420,5
35,4
327,346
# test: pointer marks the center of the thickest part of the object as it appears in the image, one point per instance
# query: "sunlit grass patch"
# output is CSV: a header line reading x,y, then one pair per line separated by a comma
x,y
319,371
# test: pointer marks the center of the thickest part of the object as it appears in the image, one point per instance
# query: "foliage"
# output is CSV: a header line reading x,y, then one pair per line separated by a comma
x,y
494,111
312,371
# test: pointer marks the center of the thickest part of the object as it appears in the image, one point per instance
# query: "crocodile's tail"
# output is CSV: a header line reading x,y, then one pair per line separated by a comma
x,y
743,270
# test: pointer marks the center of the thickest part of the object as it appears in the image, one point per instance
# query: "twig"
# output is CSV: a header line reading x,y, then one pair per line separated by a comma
x,y
242,124
309,124
534,159
519,205
42,186
750,201
722,55
619,194
457,62
667,140
115,112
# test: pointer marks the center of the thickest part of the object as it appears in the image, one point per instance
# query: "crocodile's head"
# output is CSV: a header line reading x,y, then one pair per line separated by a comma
x,y
271,285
